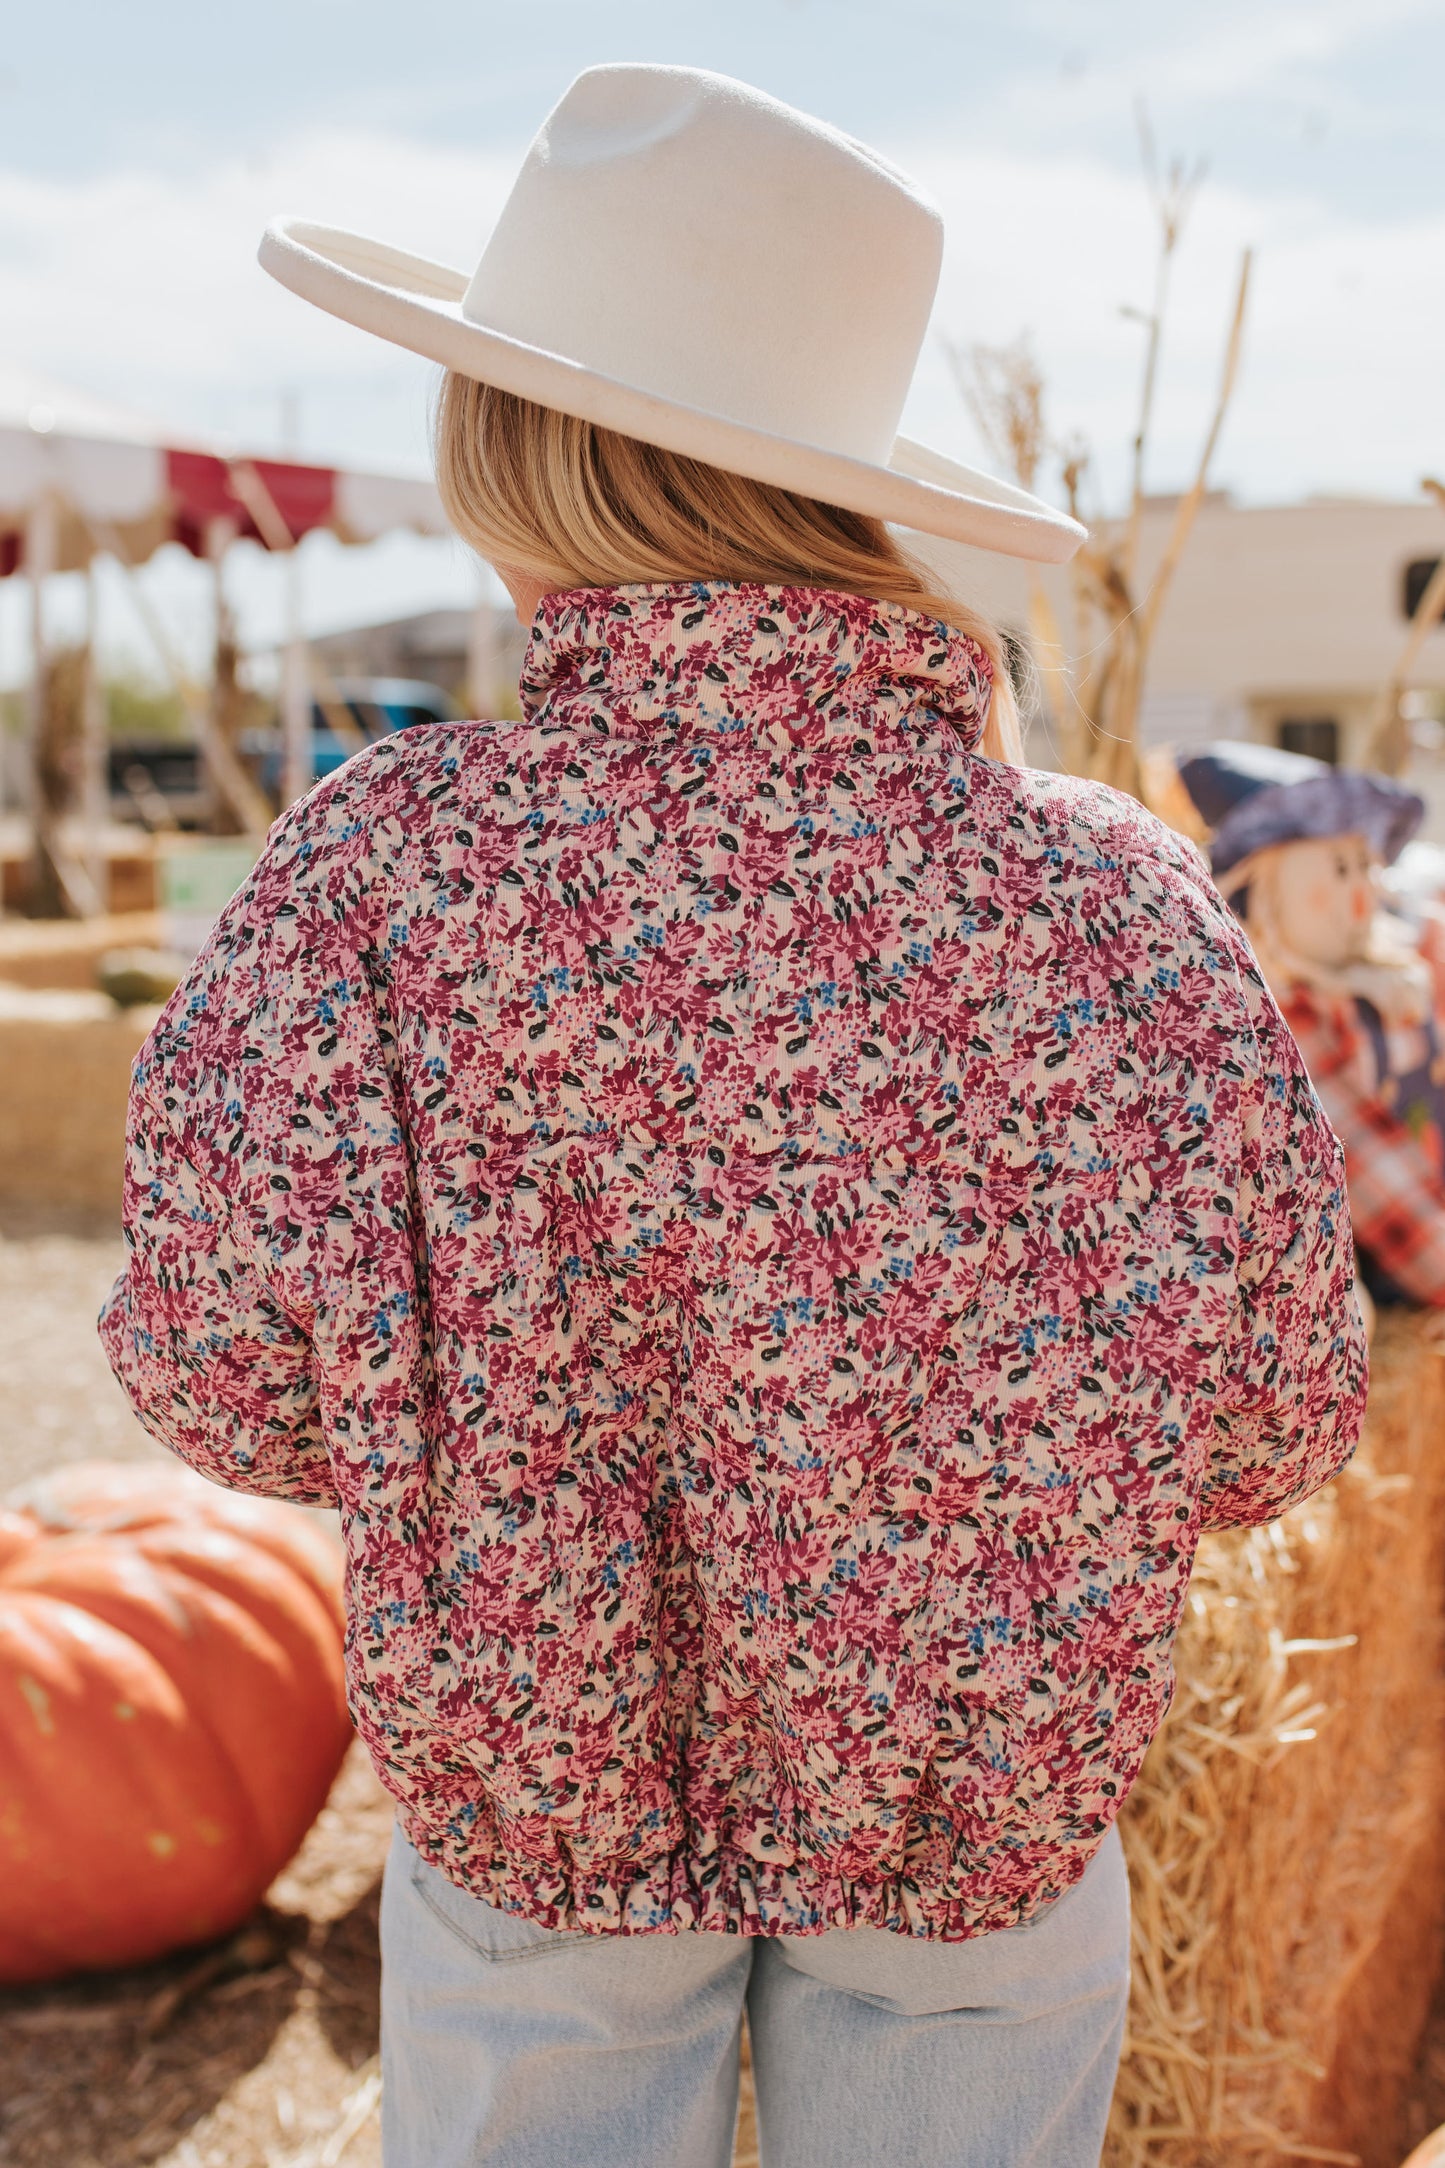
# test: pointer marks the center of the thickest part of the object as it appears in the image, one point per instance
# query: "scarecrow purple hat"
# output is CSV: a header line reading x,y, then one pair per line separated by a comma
x,y
1254,795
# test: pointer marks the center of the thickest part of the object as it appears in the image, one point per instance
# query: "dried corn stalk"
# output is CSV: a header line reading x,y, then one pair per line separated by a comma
x,y
1389,726
1095,694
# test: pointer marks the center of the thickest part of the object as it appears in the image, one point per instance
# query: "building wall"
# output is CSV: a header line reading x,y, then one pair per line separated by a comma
x,y
1275,611
440,646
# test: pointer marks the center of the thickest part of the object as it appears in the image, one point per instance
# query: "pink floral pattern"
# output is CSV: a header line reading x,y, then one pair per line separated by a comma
x,y
777,1232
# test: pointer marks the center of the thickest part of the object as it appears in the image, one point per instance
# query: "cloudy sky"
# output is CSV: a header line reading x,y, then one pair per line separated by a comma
x,y
142,148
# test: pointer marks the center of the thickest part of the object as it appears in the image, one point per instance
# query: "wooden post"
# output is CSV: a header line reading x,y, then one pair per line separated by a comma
x,y
1389,747
42,543
223,704
297,766
482,660
42,534
248,800
297,762
95,749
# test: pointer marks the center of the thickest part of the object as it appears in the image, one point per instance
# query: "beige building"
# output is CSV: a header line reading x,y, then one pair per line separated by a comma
x,y
1282,623
460,650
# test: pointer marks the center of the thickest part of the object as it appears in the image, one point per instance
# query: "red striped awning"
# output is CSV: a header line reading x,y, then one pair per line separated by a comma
x,y
115,484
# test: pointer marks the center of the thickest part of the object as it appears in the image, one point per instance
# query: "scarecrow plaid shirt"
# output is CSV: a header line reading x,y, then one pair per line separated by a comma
x,y
777,1233
1397,1194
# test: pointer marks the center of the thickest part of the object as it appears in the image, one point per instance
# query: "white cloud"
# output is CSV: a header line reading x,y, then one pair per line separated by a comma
x,y
143,287
1259,49
148,283
1340,384
1207,68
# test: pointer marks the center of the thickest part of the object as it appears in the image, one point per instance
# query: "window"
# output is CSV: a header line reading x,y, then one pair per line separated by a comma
x,y
1316,735
1418,575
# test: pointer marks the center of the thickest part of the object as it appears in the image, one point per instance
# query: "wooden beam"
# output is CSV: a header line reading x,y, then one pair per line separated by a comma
x,y
246,799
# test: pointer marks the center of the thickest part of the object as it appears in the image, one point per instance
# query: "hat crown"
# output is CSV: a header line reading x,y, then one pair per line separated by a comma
x,y
695,238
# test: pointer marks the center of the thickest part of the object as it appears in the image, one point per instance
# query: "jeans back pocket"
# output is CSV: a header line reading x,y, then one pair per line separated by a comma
x,y
494,1934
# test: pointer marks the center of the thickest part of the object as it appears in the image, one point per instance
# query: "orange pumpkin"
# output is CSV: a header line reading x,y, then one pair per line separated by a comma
x,y
172,1710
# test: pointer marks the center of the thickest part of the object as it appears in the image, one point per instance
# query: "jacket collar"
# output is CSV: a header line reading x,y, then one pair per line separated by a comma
x,y
789,666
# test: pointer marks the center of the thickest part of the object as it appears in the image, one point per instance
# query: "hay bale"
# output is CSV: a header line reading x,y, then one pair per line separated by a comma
x,y
130,882
65,1063
66,951
1289,1886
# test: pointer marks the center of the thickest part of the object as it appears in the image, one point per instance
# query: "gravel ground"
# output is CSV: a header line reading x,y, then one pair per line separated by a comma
x,y
58,1400
261,2054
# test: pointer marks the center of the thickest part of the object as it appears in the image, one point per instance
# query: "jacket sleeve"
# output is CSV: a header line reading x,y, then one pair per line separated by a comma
x,y
213,1366
1292,1402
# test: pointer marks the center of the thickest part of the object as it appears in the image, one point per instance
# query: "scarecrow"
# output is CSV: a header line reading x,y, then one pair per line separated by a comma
x,y
1297,847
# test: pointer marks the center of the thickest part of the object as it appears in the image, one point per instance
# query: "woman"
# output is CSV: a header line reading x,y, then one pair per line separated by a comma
x,y
776,1226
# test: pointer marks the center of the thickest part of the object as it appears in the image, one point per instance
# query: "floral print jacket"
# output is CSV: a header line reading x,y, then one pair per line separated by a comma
x,y
776,1232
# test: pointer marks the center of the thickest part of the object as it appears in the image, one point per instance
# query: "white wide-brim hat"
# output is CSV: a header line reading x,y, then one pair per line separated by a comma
x,y
686,260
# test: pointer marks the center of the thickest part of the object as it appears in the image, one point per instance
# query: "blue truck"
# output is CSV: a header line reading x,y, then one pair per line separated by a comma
x,y
161,782
377,706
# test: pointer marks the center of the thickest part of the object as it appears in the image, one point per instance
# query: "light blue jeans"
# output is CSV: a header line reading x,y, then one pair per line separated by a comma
x,y
511,2046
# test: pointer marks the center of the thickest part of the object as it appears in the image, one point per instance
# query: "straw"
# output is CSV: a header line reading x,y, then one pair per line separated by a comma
x,y
1287,1880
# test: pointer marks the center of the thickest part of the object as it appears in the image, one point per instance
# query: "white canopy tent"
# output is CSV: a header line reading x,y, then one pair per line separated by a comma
x,y
98,465
81,478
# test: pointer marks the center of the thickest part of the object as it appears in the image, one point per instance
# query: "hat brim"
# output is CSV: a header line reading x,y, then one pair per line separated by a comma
x,y
418,304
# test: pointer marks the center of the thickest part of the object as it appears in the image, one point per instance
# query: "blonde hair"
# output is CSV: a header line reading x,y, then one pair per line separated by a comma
x,y
576,505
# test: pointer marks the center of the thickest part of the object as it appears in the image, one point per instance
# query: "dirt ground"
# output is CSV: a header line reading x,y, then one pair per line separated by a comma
x,y
261,2054
58,1400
